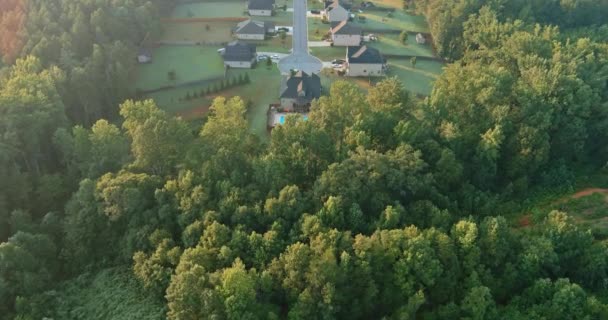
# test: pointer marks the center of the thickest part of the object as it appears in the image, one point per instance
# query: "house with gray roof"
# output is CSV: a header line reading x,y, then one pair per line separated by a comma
x,y
260,7
238,54
253,30
335,11
364,61
299,90
345,34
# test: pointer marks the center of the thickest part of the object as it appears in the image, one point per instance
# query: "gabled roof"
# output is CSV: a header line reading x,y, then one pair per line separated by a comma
x,y
364,54
260,4
332,4
302,87
239,51
253,27
345,27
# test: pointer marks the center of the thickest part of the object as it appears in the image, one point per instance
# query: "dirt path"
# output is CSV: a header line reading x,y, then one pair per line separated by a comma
x,y
588,192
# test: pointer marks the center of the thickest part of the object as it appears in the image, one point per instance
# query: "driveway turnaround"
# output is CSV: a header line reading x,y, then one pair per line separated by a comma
x,y
300,59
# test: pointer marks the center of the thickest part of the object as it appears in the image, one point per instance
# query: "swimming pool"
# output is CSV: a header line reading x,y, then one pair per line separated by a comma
x,y
282,118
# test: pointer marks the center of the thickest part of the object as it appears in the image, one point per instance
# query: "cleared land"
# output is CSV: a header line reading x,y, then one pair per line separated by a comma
x,y
220,31
220,9
390,44
417,79
190,63
398,20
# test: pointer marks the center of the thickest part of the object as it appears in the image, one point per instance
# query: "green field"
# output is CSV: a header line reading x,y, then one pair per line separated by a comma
x,y
329,53
274,44
219,31
379,20
390,44
317,29
220,9
418,80
190,63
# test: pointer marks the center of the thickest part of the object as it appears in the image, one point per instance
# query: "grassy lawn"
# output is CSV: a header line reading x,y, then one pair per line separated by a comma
x,y
418,80
274,44
219,9
378,20
281,18
317,29
261,91
397,4
329,53
196,31
390,44
190,63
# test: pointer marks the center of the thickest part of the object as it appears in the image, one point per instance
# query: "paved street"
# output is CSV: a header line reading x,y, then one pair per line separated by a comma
x,y
300,59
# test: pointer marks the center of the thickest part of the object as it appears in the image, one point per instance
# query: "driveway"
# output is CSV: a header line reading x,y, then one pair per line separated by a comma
x,y
319,44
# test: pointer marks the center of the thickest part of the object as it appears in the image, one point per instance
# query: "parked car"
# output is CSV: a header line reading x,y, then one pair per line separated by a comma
x,y
315,11
338,61
274,56
283,29
262,57
337,66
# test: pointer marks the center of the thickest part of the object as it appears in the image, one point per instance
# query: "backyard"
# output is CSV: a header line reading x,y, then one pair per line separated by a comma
x,y
377,21
216,31
389,44
188,63
219,9
418,79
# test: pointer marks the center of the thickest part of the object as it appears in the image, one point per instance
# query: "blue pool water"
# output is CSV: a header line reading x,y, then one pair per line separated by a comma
x,y
282,119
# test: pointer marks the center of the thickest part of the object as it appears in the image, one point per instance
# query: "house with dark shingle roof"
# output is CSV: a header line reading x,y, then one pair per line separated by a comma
x,y
238,54
253,30
335,11
260,7
364,61
345,34
299,90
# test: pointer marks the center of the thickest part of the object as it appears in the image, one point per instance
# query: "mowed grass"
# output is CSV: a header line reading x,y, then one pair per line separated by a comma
x,y
190,63
220,9
274,44
329,53
317,29
397,4
379,20
219,31
419,79
390,44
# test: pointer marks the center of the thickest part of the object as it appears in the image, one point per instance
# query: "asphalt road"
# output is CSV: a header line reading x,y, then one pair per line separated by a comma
x,y
300,58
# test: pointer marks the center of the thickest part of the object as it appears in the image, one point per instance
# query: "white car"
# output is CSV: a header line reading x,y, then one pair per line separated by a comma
x,y
336,66
274,56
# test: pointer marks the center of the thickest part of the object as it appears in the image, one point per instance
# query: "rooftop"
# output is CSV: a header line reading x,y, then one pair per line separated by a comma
x,y
364,54
239,51
301,86
260,4
345,27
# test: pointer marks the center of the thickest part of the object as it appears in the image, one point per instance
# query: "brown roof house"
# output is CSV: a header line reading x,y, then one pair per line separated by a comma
x,y
299,90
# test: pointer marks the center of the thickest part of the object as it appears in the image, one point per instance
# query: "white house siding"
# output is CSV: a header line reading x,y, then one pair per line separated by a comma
x,y
344,40
239,64
265,13
364,70
337,15
250,36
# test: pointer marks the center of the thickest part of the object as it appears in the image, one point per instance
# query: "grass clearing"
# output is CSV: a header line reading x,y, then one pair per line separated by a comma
x,y
274,44
220,9
390,44
418,80
399,20
219,31
190,63
328,53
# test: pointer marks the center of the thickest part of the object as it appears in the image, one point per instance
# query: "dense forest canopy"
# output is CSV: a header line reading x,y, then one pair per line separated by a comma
x,y
381,205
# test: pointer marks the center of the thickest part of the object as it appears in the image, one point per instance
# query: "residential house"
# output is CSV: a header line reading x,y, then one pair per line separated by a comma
x,y
420,38
260,7
335,11
253,30
144,55
364,61
299,90
238,54
276,118
345,34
